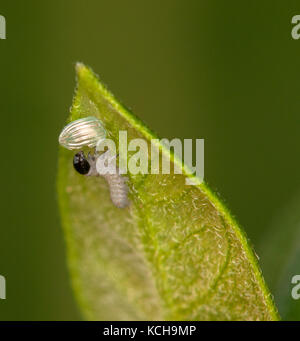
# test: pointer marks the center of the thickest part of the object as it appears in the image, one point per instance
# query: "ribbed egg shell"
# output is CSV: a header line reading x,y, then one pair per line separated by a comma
x,y
85,132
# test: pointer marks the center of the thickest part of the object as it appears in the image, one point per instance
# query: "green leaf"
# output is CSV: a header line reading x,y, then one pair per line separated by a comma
x,y
174,254
280,254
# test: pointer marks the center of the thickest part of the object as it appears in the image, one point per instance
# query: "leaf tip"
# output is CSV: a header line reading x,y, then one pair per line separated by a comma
x,y
79,67
83,71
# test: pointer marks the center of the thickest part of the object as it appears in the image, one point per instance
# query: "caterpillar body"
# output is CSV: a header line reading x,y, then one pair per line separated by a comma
x,y
104,165
118,190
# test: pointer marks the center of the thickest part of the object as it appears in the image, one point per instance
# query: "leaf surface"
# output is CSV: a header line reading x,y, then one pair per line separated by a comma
x,y
174,254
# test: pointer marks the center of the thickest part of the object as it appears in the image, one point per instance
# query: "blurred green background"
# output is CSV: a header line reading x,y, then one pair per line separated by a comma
x,y
225,71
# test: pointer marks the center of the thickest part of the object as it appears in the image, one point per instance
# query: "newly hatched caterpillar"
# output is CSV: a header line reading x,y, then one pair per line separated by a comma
x,y
104,165
90,132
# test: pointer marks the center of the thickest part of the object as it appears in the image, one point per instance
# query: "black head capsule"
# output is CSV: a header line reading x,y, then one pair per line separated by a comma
x,y
80,163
